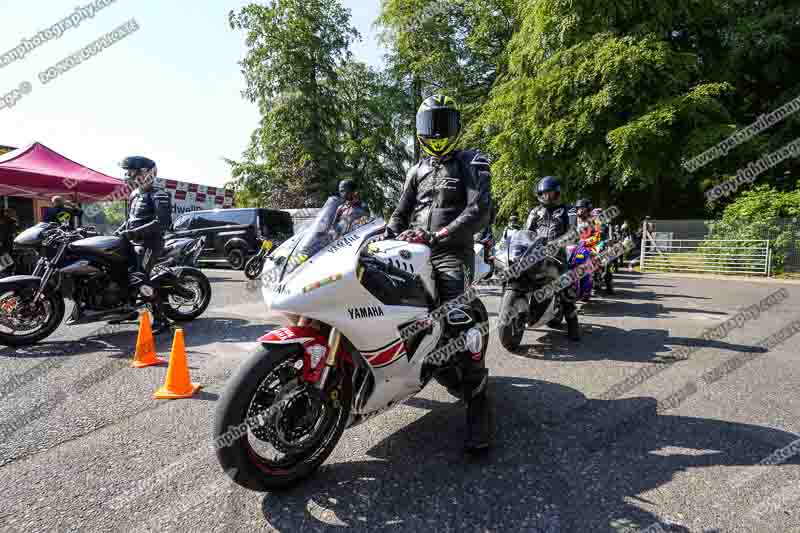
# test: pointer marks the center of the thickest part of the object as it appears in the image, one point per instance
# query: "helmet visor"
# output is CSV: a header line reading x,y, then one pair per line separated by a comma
x,y
438,123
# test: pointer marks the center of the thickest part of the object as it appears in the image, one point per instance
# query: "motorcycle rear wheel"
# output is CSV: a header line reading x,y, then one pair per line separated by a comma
x,y
245,465
198,283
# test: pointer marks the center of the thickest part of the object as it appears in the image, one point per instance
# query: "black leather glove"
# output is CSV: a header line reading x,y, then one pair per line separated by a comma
x,y
419,236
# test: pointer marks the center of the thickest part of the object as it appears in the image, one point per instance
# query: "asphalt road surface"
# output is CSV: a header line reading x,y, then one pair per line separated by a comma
x,y
84,447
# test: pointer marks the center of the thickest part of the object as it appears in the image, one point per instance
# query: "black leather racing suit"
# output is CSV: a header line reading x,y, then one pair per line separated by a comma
x,y
551,222
452,193
150,216
348,214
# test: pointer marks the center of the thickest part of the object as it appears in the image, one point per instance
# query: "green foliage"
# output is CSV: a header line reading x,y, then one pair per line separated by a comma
x,y
325,117
761,214
609,96
109,213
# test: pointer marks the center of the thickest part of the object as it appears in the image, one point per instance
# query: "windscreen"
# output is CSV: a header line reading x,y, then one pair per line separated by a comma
x,y
329,225
522,243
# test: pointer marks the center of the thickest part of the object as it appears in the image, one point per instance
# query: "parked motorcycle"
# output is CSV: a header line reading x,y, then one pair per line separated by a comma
x,y
519,307
340,359
255,264
93,272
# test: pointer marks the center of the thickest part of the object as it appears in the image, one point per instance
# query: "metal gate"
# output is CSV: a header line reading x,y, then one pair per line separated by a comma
x,y
662,253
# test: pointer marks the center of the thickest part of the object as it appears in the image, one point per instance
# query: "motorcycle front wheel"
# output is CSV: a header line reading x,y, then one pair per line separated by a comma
x,y
24,322
513,319
271,429
254,266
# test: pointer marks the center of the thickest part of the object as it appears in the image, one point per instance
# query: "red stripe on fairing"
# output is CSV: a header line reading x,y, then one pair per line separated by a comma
x,y
292,334
387,356
400,354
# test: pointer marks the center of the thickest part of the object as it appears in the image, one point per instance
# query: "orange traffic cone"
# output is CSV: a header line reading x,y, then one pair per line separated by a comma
x,y
178,383
146,345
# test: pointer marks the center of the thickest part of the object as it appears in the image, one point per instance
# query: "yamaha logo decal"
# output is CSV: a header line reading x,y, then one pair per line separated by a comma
x,y
358,313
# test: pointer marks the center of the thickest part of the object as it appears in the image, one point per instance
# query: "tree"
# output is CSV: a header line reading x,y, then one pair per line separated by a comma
x,y
296,48
374,136
760,214
451,46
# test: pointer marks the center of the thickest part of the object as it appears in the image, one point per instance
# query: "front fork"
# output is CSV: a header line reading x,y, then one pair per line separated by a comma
x,y
334,342
49,268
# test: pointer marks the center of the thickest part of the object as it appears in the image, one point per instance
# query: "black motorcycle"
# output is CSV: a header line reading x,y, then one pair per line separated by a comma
x,y
529,296
255,264
93,273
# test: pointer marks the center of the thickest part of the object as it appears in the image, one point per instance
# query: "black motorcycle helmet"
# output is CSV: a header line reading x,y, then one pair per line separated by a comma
x,y
346,187
548,191
139,170
438,125
513,220
583,203
347,190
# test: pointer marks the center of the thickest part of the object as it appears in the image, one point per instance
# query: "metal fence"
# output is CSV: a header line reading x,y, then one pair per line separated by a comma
x,y
709,246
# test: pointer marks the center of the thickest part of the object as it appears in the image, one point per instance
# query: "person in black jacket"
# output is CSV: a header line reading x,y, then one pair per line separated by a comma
x,y
445,201
149,217
551,220
511,229
351,210
60,213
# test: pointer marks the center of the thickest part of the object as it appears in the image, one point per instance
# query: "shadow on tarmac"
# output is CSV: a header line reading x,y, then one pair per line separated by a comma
x,y
601,342
538,477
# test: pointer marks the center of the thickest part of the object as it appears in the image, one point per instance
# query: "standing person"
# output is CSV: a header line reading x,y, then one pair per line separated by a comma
x,y
63,213
551,220
511,229
445,201
150,216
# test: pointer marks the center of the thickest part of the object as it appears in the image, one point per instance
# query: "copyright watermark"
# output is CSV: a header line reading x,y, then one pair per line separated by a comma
x,y
10,99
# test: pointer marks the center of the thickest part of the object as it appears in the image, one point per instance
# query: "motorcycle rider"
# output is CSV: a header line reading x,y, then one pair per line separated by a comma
x,y
583,210
551,220
511,229
149,217
445,201
605,235
351,210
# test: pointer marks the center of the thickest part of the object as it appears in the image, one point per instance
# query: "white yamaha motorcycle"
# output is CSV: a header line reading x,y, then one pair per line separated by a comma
x,y
344,297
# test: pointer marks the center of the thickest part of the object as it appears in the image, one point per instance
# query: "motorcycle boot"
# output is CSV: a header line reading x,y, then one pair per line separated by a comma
x,y
476,398
568,298
609,281
474,377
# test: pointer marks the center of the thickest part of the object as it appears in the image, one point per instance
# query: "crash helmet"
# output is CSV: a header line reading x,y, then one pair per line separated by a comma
x,y
346,188
139,170
548,191
438,125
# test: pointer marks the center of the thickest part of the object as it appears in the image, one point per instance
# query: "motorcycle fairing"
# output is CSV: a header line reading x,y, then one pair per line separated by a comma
x,y
292,335
379,342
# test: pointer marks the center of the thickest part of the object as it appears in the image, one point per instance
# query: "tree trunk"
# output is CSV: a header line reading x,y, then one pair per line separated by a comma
x,y
417,90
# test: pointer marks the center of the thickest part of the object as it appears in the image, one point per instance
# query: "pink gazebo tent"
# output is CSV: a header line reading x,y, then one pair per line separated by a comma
x,y
38,172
